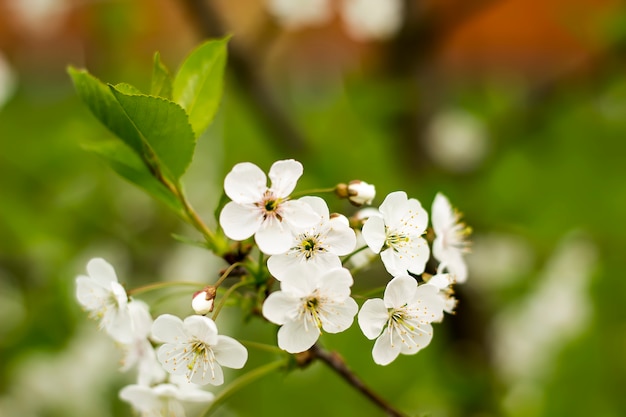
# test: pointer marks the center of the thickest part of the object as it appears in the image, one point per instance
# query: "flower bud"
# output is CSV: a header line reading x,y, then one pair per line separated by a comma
x,y
202,302
357,192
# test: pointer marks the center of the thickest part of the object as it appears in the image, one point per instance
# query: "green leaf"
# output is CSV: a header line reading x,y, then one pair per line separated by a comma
x,y
161,79
164,127
105,107
128,89
199,82
127,164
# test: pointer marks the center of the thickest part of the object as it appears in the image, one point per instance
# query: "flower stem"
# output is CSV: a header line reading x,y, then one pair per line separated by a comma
x,y
241,382
262,346
347,258
225,297
337,364
226,274
160,285
313,191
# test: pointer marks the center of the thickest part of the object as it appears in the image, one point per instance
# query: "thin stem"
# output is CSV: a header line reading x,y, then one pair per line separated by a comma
x,y
262,346
160,285
337,364
370,293
241,382
226,274
347,258
194,218
313,191
225,297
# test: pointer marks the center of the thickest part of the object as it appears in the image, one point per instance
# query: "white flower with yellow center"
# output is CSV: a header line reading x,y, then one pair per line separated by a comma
x,y
450,242
101,294
400,322
396,234
319,246
309,302
193,348
266,213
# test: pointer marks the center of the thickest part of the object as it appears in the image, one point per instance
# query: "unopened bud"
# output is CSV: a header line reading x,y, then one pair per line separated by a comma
x,y
357,192
203,301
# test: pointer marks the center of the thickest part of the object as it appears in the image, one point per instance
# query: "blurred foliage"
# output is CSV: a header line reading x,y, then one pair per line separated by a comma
x,y
555,164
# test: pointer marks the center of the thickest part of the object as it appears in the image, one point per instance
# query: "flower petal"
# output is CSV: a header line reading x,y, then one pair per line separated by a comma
x,y
206,372
298,215
414,255
280,307
400,291
373,317
318,205
191,393
442,214
240,221
168,328
90,293
172,357
140,317
201,328
340,239
393,207
374,233
273,237
296,337
230,353
141,398
245,183
394,262
101,271
336,283
417,340
384,351
338,316
284,176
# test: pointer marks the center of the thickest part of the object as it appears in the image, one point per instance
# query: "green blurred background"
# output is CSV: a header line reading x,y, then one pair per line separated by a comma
x,y
516,110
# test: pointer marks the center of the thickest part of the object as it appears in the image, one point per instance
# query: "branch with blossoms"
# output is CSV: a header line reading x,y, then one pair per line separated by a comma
x,y
295,258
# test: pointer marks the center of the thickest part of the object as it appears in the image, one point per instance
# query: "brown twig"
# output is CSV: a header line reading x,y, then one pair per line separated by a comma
x,y
245,70
337,364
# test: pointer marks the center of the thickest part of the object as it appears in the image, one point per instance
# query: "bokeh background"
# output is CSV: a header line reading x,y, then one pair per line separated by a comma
x,y
515,109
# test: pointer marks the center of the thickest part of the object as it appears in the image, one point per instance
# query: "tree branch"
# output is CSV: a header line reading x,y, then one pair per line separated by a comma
x,y
337,364
244,69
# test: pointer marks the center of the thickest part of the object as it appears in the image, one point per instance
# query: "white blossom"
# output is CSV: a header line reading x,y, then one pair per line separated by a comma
x,y
266,213
8,80
139,352
194,348
457,140
396,234
450,239
372,19
444,283
163,399
400,322
319,246
309,302
101,294
295,14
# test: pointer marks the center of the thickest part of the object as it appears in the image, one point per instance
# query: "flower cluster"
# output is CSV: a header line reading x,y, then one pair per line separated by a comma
x,y
302,275
305,245
191,347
